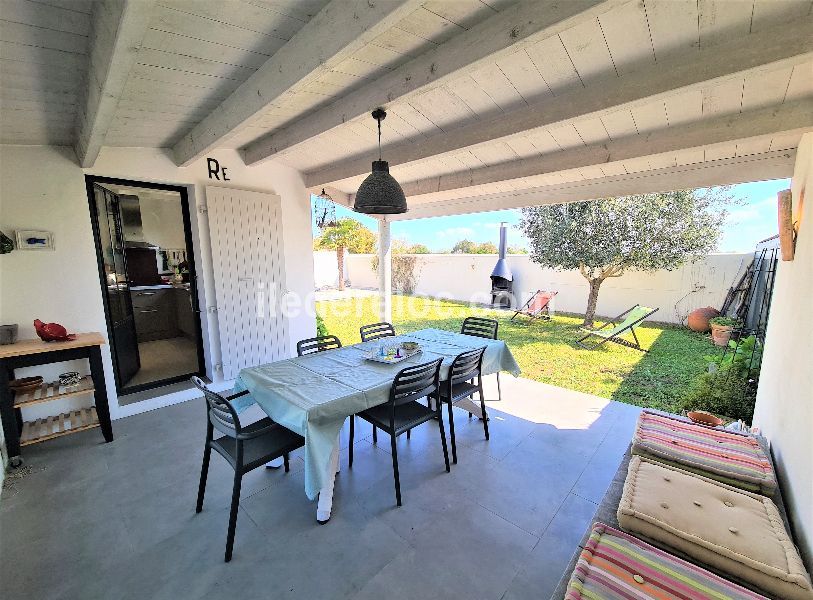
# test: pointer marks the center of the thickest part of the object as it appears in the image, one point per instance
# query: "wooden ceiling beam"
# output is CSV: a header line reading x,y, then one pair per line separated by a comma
x,y
792,117
332,35
118,29
784,46
508,31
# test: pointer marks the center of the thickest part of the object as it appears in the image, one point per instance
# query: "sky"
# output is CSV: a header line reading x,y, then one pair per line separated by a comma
x,y
754,220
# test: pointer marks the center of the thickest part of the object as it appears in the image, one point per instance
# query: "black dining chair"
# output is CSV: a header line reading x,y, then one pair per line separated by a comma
x,y
244,448
402,412
376,331
484,328
465,380
319,343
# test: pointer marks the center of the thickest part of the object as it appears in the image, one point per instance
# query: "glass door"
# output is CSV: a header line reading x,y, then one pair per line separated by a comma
x,y
113,265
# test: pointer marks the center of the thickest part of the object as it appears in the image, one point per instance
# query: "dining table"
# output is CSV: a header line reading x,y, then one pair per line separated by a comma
x,y
314,394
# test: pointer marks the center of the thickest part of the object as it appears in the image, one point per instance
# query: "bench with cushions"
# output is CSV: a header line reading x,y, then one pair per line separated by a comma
x,y
775,574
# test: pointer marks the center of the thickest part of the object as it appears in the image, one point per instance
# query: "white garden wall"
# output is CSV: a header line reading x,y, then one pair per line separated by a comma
x,y
326,269
466,277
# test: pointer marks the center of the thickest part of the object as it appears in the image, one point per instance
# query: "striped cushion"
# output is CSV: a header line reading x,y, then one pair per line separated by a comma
x,y
616,565
733,458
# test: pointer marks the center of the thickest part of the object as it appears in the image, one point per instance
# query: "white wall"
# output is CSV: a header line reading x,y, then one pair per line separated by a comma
x,y
466,277
784,409
326,269
162,220
42,187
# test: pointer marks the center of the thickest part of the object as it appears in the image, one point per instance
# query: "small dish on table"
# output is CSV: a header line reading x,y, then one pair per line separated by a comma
x,y
701,417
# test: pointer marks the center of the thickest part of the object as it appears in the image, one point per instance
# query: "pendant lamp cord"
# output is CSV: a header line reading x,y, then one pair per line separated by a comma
x,y
379,138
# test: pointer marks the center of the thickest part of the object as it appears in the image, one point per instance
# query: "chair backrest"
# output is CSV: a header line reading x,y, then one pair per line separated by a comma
x,y
415,382
376,331
317,344
540,301
466,365
219,411
480,327
637,313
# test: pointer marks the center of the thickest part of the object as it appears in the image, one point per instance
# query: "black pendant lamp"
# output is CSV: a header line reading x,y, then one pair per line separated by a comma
x,y
380,194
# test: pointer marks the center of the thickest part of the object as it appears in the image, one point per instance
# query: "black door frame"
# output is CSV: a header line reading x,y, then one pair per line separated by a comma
x,y
90,180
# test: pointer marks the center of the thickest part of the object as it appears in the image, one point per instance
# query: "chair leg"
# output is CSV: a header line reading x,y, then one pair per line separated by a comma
x,y
352,435
499,389
375,434
204,472
409,434
485,415
451,434
443,438
394,449
235,503
286,462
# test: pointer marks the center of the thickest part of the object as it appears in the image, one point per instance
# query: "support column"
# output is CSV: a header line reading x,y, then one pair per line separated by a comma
x,y
385,271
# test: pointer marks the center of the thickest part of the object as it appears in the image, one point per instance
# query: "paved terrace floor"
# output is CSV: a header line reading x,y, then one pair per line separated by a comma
x,y
117,520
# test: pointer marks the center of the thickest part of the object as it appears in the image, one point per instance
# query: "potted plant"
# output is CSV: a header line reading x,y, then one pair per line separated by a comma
x,y
721,328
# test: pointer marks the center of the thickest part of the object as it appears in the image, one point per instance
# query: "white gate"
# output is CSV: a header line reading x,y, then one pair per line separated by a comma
x,y
246,235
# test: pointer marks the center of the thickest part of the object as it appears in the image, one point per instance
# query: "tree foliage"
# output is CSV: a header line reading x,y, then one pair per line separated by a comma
x,y
349,234
604,238
469,247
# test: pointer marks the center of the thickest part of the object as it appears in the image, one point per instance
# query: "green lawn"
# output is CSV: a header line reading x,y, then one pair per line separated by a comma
x,y
546,352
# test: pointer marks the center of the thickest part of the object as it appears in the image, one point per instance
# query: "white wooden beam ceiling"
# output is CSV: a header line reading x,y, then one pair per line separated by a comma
x,y
709,66
119,27
337,31
741,169
529,21
789,118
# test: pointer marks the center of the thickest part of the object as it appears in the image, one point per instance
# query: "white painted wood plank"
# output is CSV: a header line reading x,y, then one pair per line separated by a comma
x,y
626,32
619,124
524,76
723,98
553,63
650,117
723,18
721,151
587,49
193,64
429,26
82,6
360,69
48,73
474,97
493,154
240,14
183,78
684,107
11,94
754,146
494,82
443,108
769,13
188,46
465,13
765,88
49,17
673,25
402,42
566,137
42,38
801,82
35,82
522,146
591,131
783,141
195,27
42,56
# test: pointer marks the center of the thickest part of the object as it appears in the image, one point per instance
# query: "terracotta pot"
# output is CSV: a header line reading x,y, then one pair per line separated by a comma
x,y
720,334
699,318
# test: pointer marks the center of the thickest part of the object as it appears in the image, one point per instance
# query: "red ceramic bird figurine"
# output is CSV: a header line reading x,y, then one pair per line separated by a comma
x,y
52,332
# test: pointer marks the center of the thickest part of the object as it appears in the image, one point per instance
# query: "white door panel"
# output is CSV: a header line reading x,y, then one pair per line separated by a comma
x,y
246,235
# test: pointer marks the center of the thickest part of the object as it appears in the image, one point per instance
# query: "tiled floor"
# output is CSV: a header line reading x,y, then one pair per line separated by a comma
x,y
162,359
117,520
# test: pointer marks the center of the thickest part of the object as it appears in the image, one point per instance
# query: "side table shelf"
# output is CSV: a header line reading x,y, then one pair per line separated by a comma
x,y
49,392
51,427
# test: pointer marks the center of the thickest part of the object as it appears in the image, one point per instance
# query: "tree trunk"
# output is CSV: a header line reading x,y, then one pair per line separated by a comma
x,y
592,299
340,261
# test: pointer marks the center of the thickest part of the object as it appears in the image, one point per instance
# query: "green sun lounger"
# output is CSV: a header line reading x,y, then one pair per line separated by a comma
x,y
632,318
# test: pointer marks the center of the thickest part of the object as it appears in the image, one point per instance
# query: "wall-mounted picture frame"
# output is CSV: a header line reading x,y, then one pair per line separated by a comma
x,y
32,239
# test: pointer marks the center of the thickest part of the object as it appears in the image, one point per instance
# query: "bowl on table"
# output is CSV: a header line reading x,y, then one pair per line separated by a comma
x,y
410,347
25,384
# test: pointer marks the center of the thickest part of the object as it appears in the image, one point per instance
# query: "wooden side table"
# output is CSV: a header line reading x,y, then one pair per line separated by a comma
x,y
29,353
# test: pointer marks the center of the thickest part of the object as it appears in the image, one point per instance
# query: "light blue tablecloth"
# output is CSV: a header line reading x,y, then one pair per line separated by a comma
x,y
313,395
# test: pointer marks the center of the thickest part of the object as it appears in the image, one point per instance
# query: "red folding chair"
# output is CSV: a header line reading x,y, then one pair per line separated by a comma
x,y
538,307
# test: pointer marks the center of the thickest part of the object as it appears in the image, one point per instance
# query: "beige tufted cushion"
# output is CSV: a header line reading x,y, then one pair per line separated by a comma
x,y
735,531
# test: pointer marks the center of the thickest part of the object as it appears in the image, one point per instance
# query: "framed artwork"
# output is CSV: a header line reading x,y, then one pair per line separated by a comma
x,y
31,239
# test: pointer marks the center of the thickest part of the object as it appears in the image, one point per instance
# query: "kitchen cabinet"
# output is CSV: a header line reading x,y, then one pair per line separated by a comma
x,y
155,313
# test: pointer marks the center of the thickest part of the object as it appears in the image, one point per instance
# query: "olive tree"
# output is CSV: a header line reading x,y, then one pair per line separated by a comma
x,y
604,238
